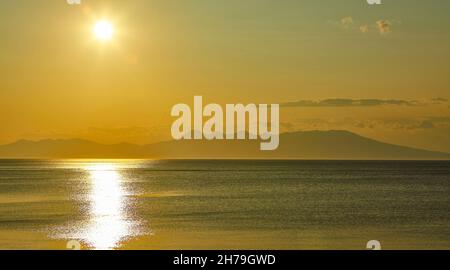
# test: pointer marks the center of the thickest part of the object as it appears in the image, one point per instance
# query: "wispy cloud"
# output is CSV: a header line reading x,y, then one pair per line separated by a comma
x,y
381,26
398,124
395,124
132,134
347,22
364,28
346,102
384,26
440,119
440,100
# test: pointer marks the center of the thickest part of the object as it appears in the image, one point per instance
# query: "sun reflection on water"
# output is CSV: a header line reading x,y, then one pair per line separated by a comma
x,y
108,224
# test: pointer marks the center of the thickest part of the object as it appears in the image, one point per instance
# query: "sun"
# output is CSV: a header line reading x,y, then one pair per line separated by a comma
x,y
103,30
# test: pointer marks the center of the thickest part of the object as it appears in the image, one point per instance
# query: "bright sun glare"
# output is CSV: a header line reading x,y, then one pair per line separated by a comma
x,y
103,30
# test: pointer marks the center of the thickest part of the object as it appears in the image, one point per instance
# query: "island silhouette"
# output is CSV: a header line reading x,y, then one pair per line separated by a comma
x,y
333,144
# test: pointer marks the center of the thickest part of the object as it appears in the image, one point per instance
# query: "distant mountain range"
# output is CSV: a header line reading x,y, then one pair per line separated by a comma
x,y
296,145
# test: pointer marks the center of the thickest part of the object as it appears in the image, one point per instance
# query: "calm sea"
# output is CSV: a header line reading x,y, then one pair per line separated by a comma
x,y
141,204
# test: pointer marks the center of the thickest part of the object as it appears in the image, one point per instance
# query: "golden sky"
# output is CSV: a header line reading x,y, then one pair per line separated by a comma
x,y
321,60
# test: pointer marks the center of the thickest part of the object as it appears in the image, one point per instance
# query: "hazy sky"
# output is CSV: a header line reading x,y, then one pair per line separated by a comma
x,y
58,81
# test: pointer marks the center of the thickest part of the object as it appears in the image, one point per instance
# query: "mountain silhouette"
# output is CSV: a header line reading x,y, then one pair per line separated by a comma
x,y
333,144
